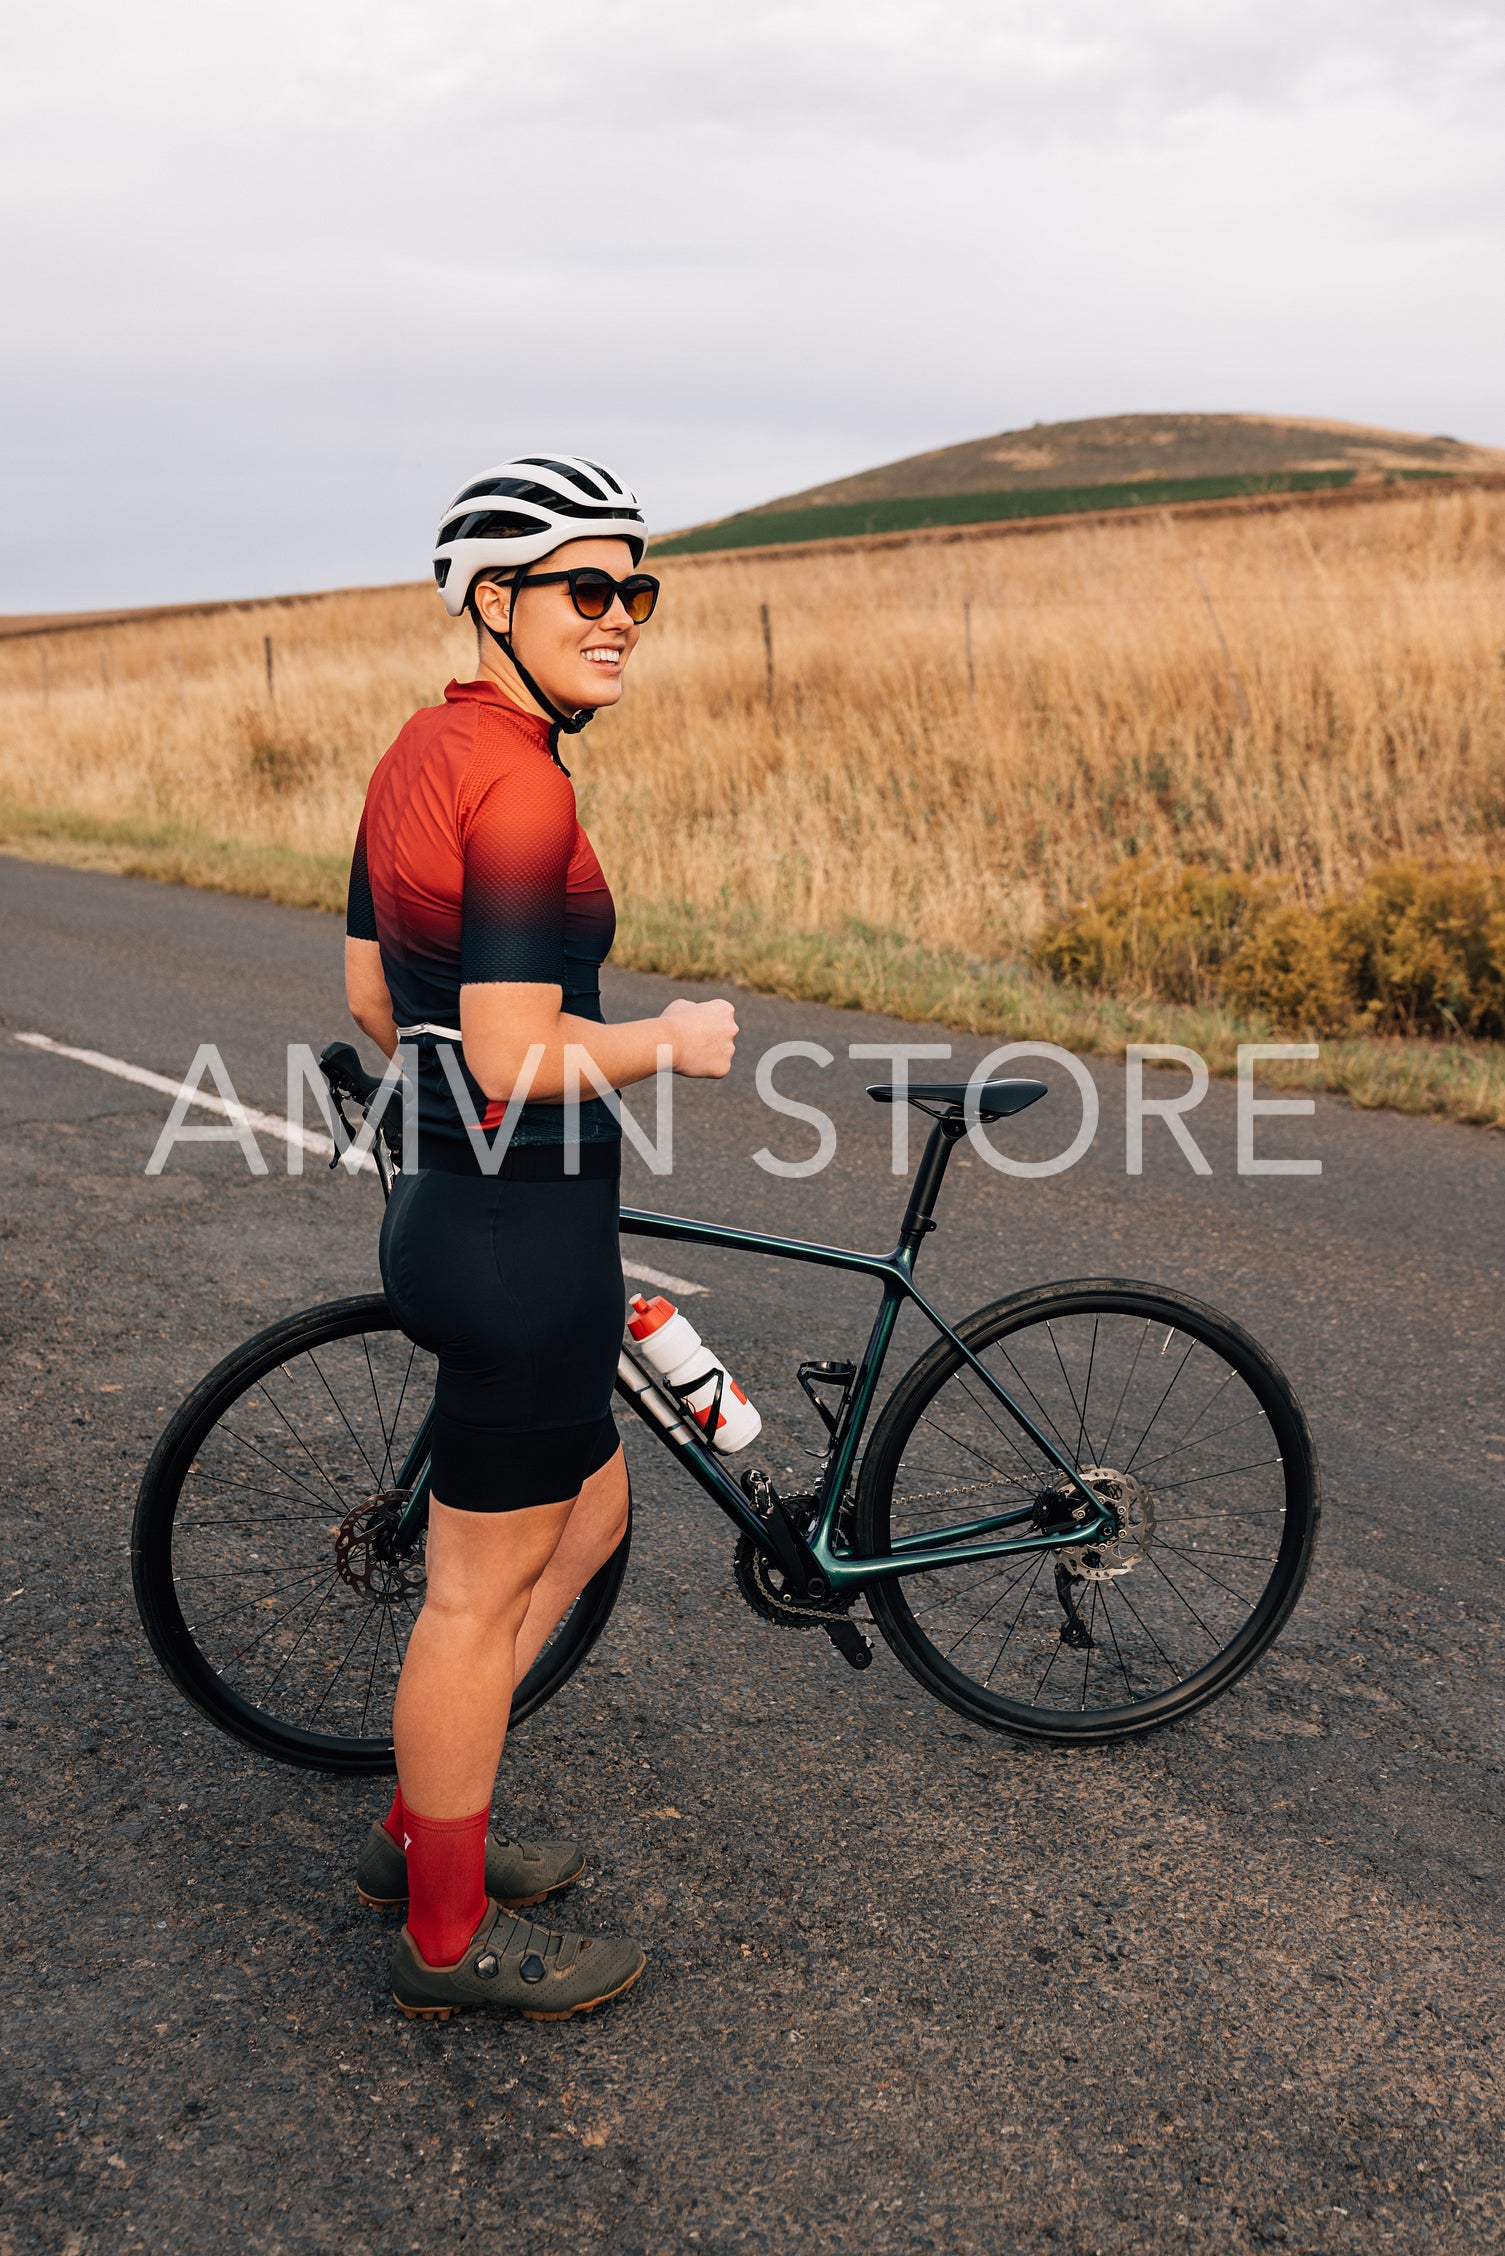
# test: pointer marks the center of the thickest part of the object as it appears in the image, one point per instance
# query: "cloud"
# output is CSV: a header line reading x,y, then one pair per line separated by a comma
x,y
277,280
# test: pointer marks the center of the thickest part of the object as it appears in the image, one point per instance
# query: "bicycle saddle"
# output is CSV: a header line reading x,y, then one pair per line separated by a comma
x,y
995,1099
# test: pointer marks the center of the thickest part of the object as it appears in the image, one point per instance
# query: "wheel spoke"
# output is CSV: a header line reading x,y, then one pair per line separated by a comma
x,y
1242,1596
338,1669
1177,1592
1250,1417
1185,1436
1056,1650
1225,1472
1012,1584
968,1385
1045,1416
231,1433
1150,1634
1087,1655
1165,1398
274,1679
345,1422
1118,1649
324,1475
1087,1396
977,1453
1014,1624
250,1605
254,1488
1123,1396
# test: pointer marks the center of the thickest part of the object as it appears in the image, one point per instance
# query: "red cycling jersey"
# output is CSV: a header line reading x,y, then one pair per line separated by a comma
x,y
471,868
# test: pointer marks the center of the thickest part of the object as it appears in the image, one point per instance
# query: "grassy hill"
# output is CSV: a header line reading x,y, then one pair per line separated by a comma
x,y
1106,462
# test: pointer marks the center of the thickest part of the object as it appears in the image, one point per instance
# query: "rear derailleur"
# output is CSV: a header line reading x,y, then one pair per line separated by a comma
x,y
768,1589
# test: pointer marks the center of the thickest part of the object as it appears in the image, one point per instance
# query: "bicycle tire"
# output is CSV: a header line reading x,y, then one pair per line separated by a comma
x,y
1291,1497
163,1530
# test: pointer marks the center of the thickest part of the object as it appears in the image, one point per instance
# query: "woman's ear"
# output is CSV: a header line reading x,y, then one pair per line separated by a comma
x,y
493,605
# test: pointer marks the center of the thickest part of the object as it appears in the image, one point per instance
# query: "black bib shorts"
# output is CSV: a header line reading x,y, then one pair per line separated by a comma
x,y
516,1285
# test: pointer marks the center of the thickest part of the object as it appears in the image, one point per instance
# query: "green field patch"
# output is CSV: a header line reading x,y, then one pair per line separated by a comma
x,y
918,512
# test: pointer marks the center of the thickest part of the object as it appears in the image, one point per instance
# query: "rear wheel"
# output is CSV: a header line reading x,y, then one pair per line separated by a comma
x,y
1188,1428
263,1555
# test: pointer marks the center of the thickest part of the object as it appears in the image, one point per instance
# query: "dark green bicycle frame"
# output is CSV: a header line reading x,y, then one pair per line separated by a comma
x,y
945,1547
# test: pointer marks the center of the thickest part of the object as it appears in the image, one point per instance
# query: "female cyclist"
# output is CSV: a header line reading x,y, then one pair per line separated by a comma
x,y
479,919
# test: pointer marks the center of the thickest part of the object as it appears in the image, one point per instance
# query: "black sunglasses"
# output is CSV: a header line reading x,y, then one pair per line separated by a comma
x,y
593,591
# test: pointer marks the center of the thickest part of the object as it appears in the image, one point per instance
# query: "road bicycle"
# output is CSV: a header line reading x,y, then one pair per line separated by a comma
x,y
1082,1513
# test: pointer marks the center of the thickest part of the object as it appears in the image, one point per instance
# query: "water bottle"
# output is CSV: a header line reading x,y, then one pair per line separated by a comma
x,y
670,1344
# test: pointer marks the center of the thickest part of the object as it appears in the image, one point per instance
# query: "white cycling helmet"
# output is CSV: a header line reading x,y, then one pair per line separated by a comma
x,y
522,510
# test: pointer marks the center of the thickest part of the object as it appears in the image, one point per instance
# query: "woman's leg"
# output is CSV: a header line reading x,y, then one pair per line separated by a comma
x,y
596,1524
455,1693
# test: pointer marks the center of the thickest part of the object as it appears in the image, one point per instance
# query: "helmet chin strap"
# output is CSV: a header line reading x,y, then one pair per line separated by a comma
x,y
569,724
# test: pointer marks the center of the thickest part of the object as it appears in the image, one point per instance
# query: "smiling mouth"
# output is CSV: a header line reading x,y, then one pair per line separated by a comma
x,y
604,657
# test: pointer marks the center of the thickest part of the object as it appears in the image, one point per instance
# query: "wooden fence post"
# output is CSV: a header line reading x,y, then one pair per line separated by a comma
x,y
266,644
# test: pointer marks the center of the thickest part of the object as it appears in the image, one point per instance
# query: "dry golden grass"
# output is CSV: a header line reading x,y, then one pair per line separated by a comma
x,y
1359,713
1303,695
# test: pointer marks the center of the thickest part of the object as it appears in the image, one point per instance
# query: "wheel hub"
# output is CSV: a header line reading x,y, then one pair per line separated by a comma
x,y
1132,1504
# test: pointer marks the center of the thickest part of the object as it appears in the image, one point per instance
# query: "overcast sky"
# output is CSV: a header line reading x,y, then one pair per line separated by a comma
x,y
275,280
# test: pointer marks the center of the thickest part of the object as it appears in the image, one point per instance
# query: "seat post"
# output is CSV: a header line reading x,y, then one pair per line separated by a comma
x,y
928,1179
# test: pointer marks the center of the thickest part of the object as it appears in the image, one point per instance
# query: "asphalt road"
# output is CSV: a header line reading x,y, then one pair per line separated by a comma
x,y
911,1986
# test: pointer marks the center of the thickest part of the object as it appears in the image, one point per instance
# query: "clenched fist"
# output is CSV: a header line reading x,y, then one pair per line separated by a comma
x,y
704,1036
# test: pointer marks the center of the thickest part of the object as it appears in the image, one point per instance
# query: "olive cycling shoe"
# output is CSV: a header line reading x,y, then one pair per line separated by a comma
x,y
518,1873
513,1966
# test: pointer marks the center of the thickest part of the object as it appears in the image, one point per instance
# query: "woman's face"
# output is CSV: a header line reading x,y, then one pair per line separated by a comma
x,y
575,661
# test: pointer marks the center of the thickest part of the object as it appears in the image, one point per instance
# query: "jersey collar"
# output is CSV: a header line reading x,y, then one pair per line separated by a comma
x,y
484,692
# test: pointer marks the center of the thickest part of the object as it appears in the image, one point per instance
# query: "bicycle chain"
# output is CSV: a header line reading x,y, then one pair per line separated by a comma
x,y
751,1565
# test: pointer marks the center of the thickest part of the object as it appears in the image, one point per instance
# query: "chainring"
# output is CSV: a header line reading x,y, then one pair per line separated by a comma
x,y
761,1582
761,1579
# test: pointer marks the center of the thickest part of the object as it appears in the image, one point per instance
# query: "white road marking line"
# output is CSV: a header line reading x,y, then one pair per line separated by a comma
x,y
269,1123
642,1276
272,1124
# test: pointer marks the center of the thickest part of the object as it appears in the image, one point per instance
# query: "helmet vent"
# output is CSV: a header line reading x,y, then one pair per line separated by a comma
x,y
573,471
491,524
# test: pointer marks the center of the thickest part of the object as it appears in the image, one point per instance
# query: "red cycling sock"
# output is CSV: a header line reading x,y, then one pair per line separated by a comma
x,y
393,1819
446,1882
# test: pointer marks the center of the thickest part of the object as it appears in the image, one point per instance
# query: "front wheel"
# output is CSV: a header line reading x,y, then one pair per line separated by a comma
x,y
1182,1422
278,1565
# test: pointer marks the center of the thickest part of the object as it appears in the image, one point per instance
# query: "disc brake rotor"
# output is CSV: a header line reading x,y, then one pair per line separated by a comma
x,y
364,1555
1135,1506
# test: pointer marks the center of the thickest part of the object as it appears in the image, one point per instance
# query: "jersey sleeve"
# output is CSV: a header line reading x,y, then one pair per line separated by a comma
x,y
360,913
517,841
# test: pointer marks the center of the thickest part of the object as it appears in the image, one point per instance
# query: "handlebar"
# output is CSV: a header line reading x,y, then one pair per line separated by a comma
x,y
350,1083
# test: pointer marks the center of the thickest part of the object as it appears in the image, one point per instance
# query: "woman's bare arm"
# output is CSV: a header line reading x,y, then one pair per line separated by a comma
x,y
502,1022
366,993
